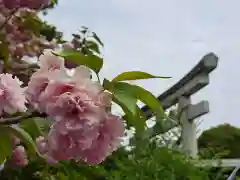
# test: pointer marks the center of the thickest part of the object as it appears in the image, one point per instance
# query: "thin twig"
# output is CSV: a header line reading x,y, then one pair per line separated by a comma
x,y
18,119
8,18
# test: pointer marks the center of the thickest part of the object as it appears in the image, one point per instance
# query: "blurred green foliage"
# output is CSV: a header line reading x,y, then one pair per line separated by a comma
x,y
220,142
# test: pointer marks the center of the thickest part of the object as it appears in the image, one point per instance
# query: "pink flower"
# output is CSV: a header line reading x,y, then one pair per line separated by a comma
x,y
49,62
36,86
43,148
77,121
83,129
83,139
72,91
67,100
108,140
41,144
80,122
51,67
104,99
19,156
12,97
2,19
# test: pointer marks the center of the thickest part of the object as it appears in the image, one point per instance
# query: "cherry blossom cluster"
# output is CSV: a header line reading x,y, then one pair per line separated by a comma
x,y
31,4
83,128
21,41
13,100
19,155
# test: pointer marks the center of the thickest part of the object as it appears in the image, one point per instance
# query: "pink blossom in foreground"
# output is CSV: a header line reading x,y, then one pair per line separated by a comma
x,y
12,97
49,62
76,92
50,66
80,117
81,124
108,140
43,148
78,140
78,106
19,156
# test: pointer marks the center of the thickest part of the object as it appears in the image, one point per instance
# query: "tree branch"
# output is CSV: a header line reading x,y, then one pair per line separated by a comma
x,y
8,18
18,119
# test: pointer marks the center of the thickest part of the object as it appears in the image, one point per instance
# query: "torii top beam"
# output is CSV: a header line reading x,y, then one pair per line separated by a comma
x,y
192,82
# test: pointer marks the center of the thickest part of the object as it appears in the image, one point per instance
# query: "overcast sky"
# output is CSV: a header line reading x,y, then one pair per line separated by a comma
x,y
165,38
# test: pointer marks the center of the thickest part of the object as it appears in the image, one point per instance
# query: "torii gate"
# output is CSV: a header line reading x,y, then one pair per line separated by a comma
x,y
180,94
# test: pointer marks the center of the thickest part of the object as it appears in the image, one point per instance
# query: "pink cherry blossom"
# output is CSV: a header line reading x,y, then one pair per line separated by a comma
x,y
67,100
48,61
41,145
43,149
80,140
19,156
108,140
83,128
81,122
36,86
12,97
104,99
16,34
62,91
51,67
2,19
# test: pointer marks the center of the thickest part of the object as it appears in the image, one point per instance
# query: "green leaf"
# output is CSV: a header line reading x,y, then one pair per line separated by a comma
x,y
135,75
4,53
127,100
84,30
24,137
33,23
128,104
163,126
138,121
132,119
144,96
122,98
97,39
93,62
77,36
84,27
34,127
61,176
92,46
5,146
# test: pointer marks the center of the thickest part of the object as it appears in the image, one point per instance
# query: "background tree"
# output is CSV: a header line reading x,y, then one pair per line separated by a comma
x,y
222,139
220,142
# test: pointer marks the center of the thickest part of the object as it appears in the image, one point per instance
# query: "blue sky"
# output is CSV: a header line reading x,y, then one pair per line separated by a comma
x,y
165,38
